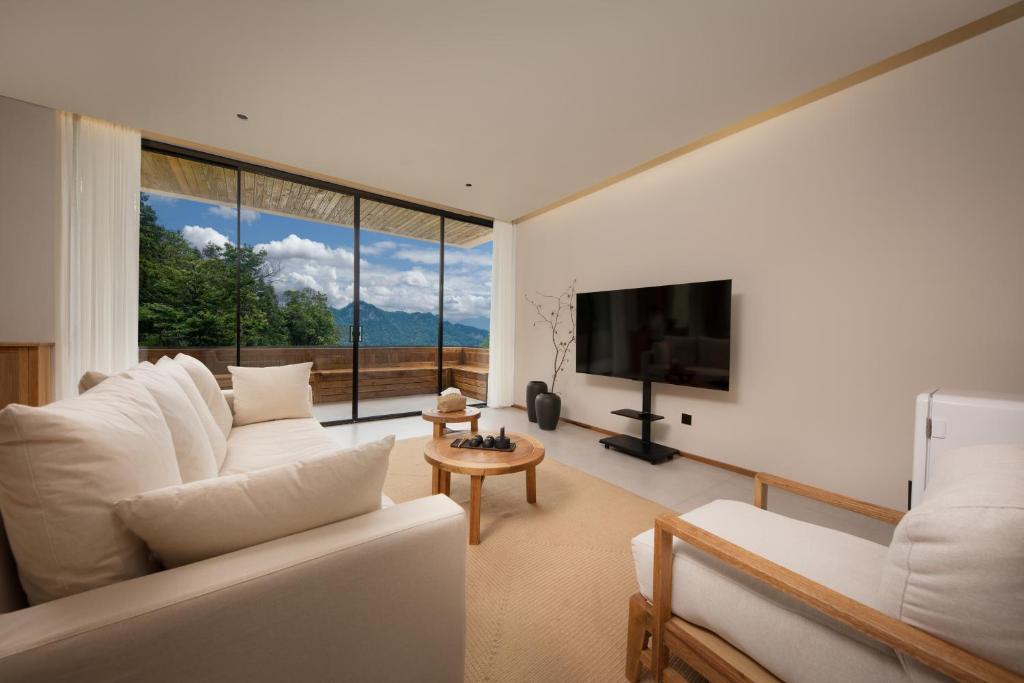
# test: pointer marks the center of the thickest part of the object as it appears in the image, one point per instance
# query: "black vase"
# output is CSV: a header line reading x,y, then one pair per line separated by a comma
x,y
549,407
532,389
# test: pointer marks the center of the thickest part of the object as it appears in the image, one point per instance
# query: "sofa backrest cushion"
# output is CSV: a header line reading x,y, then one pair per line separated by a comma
x,y
955,567
192,522
191,446
209,389
271,393
62,467
218,442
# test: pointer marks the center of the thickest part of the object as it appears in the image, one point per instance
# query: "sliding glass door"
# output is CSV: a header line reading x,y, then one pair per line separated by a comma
x,y
187,261
245,265
296,284
399,305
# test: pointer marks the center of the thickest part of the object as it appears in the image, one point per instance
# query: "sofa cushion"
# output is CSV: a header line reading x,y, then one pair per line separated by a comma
x,y
191,446
264,444
218,442
792,641
62,466
208,388
191,522
955,567
271,393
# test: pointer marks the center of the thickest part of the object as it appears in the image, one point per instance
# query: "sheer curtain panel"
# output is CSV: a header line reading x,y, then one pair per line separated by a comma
x,y
503,317
98,292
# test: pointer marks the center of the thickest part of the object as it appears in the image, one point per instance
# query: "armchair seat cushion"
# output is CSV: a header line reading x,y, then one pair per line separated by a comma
x,y
789,639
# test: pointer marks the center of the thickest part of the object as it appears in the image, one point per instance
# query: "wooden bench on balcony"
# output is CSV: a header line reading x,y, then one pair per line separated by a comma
x,y
384,371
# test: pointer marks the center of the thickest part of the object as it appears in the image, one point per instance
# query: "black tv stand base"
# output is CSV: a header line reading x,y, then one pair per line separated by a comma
x,y
650,451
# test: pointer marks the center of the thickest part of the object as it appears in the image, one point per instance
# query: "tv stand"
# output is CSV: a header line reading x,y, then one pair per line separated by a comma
x,y
642,448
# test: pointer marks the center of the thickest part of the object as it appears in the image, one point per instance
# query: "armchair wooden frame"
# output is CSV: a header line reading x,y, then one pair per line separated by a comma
x,y
717,660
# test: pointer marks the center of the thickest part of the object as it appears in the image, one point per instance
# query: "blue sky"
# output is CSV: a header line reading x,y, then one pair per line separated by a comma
x,y
396,273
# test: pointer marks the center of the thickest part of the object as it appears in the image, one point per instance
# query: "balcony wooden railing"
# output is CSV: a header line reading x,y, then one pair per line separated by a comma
x,y
383,371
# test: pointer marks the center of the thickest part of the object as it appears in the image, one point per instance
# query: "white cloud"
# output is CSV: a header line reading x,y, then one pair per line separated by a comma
x,y
248,215
299,248
377,248
452,256
302,262
199,236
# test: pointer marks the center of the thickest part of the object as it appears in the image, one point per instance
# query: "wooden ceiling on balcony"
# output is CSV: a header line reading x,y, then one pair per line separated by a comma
x,y
189,179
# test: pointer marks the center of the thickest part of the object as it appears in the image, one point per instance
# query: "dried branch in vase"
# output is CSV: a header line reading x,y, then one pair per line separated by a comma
x,y
558,314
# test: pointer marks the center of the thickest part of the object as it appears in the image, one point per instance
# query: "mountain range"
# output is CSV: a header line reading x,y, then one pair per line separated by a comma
x,y
400,328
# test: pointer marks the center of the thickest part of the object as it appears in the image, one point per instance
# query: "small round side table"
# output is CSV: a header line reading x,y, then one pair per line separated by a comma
x,y
441,420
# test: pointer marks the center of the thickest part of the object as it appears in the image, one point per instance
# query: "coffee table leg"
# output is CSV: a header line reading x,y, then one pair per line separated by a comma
x,y
474,425
438,430
531,485
476,485
446,482
435,480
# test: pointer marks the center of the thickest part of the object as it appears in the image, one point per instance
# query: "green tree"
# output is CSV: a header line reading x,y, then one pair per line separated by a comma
x,y
188,298
308,318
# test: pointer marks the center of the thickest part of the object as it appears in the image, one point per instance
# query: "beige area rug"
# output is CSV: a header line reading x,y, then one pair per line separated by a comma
x,y
547,588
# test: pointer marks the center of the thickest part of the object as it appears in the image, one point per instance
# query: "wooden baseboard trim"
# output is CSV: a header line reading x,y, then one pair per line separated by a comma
x,y
683,454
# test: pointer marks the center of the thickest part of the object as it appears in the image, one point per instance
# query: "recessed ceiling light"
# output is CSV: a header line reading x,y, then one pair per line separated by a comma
x,y
242,116
469,184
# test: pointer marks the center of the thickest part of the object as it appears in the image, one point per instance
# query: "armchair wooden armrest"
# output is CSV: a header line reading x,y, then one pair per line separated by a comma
x,y
931,651
762,481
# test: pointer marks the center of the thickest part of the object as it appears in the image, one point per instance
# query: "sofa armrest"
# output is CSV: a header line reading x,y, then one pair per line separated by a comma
x,y
922,646
376,597
763,480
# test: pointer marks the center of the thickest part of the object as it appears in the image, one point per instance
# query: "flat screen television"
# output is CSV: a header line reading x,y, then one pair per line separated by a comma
x,y
676,334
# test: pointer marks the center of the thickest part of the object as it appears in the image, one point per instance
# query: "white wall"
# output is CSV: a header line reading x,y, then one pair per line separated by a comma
x,y
29,221
876,244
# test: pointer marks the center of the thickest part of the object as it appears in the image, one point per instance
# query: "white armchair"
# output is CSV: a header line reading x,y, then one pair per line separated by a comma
x,y
743,594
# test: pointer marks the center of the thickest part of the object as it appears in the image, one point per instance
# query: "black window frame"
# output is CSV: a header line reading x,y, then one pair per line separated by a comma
x,y
357,195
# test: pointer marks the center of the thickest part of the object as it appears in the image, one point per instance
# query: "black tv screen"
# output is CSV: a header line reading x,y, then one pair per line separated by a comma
x,y
677,334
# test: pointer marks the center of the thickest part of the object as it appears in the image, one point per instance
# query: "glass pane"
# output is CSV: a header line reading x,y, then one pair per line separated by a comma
x,y
468,251
399,280
297,278
187,261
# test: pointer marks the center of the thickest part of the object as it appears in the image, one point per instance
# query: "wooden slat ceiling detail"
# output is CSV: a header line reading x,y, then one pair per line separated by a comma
x,y
165,174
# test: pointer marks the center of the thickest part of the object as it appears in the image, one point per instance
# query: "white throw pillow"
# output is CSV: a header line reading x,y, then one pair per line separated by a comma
x,y
213,432
62,467
191,446
209,389
191,522
274,393
955,567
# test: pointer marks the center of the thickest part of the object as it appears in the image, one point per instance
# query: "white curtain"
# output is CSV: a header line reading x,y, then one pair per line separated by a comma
x,y
503,317
98,294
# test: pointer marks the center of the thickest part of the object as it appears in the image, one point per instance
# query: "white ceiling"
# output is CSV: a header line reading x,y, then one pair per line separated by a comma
x,y
528,100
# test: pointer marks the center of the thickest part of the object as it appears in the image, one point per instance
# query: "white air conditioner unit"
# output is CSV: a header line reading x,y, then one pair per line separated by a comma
x,y
947,419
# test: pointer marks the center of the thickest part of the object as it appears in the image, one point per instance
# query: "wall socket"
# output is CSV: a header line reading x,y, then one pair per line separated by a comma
x,y
687,419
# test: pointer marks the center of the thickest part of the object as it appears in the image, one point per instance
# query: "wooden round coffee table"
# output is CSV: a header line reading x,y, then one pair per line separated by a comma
x,y
441,420
479,464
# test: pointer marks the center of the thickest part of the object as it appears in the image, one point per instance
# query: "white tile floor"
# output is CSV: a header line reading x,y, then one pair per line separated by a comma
x,y
679,484
368,407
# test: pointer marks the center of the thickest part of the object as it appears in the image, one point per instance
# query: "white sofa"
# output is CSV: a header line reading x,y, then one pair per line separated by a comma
x,y
954,573
376,597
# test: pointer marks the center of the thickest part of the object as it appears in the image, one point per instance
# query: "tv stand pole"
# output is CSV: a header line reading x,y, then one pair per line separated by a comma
x,y
642,448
